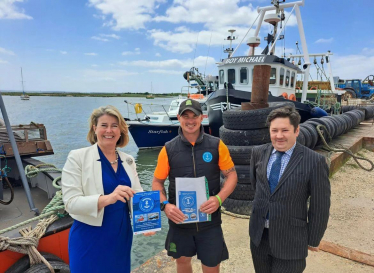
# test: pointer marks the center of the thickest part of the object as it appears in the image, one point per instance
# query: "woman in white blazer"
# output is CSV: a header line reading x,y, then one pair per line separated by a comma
x,y
97,184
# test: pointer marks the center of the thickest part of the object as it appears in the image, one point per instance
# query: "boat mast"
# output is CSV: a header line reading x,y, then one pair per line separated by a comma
x,y
23,88
230,38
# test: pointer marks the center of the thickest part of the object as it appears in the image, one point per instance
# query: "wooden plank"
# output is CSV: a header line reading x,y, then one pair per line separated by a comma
x,y
347,253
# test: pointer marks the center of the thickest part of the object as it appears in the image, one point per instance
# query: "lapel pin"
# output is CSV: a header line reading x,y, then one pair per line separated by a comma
x,y
129,160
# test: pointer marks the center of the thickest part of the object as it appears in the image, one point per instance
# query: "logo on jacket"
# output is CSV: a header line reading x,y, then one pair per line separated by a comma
x,y
207,156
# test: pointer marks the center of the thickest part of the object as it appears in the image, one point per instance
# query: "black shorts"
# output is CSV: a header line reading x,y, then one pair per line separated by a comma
x,y
209,244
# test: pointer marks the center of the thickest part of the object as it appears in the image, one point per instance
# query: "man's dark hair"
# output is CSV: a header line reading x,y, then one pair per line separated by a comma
x,y
285,112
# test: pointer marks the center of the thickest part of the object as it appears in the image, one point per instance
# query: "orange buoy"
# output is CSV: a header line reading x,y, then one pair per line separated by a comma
x,y
285,95
292,97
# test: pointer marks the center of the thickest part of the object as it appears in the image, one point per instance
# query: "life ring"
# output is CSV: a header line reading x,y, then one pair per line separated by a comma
x,y
285,95
138,108
292,97
313,88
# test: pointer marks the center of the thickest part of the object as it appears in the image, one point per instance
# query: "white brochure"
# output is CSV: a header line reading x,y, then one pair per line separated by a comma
x,y
191,193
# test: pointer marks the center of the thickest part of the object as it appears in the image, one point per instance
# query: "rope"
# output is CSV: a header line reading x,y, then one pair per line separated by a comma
x,y
341,149
223,210
28,243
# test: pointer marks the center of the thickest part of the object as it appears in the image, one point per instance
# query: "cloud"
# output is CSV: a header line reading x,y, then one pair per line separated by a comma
x,y
114,36
163,71
64,52
6,52
94,65
126,14
158,54
8,10
324,41
99,39
135,52
172,63
368,51
3,62
90,54
352,66
106,75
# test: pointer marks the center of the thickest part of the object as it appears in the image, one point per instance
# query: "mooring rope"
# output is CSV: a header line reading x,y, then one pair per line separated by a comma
x,y
28,243
341,149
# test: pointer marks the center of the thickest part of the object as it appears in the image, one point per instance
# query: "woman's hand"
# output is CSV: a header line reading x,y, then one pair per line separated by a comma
x,y
121,193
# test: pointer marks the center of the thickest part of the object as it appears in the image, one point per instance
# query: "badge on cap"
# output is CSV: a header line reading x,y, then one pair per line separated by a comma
x,y
129,160
188,102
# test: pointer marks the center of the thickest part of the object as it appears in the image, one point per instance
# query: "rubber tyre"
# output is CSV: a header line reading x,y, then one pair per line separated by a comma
x,y
240,155
248,119
330,128
242,207
301,138
342,123
353,117
334,123
243,173
348,121
314,135
24,263
307,136
42,268
345,108
244,137
241,191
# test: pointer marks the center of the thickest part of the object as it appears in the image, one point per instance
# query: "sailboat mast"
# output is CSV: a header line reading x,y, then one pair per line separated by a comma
x,y
23,89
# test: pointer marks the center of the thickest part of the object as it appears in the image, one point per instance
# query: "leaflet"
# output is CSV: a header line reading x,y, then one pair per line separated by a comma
x,y
146,213
191,194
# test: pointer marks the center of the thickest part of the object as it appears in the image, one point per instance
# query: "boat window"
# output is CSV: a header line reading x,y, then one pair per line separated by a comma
x,y
174,106
273,76
292,79
244,75
221,77
231,75
281,76
287,78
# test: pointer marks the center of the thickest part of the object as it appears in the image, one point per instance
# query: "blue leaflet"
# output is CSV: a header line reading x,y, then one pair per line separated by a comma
x,y
146,212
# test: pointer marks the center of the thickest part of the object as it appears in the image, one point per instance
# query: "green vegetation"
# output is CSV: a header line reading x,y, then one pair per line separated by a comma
x,y
76,94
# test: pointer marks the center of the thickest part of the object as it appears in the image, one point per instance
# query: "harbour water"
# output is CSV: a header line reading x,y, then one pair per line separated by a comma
x,y
66,120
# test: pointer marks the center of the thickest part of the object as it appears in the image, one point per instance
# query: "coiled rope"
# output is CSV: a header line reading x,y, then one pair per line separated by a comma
x,y
341,149
29,241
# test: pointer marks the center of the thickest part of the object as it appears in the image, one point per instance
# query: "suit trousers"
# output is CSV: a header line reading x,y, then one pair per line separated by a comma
x,y
264,262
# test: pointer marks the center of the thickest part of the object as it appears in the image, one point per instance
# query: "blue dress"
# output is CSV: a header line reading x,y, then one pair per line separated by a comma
x,y
106,248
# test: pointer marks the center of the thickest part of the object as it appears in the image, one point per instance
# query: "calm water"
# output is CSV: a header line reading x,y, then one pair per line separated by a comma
x,y
66,120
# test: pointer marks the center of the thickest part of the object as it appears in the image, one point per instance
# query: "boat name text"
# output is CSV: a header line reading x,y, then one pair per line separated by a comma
x,y
244,60
158,132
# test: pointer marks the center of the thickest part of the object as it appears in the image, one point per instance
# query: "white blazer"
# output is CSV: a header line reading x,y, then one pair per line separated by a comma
x,y
82,183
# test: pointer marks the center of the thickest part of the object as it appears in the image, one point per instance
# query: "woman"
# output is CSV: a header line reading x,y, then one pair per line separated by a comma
x,y
97,183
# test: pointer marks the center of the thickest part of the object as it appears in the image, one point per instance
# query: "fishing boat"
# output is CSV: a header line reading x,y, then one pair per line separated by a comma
x,y
236,73
22,199
154,129
24,96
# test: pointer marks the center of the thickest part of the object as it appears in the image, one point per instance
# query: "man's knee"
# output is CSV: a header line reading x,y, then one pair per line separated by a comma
x,y
183,260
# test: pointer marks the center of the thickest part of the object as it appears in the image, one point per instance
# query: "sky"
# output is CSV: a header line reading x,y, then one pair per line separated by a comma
x,y
147,45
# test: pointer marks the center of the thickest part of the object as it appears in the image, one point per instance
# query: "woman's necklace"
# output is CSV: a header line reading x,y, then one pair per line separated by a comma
x,y
115,161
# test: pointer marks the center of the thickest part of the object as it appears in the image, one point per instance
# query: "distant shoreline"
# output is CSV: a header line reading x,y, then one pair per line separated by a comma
x,y
74,94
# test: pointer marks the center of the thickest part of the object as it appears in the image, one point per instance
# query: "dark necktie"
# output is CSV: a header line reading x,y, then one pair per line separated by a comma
x,y
275,171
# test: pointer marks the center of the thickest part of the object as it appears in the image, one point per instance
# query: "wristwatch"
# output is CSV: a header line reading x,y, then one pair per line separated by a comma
x,y
163,205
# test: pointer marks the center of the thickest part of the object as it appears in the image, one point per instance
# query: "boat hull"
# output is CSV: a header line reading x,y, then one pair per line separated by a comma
x,y
147,136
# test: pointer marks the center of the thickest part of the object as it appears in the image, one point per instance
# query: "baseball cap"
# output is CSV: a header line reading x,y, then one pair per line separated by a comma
x,y
191,105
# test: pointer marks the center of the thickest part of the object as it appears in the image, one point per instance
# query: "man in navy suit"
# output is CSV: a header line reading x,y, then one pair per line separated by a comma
x,y
284,225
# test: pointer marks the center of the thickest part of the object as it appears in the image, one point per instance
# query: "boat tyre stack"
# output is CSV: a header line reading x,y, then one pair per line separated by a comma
x,y
369,110
241,131
333,126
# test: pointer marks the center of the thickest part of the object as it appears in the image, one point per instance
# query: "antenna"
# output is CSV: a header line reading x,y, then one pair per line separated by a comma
x,y
230,38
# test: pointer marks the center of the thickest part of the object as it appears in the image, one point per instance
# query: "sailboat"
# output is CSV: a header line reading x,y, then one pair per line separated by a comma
x,y
24,96
150,96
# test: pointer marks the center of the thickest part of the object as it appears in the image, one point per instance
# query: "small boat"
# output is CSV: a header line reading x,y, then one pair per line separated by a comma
x,y
150,96
24,96
22,199
156,128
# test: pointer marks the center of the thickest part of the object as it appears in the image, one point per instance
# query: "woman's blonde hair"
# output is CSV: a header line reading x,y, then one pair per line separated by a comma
x,y
111,111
